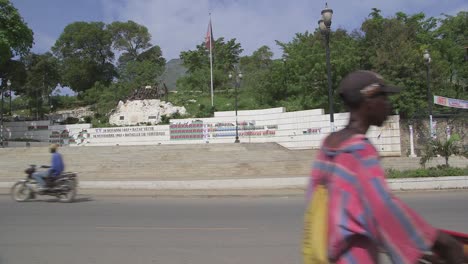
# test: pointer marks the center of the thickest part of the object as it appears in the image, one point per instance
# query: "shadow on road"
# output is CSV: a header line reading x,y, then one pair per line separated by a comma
x,y
82,199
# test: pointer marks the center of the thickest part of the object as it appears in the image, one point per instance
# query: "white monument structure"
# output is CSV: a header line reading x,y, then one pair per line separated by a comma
x,y
144,107
147,111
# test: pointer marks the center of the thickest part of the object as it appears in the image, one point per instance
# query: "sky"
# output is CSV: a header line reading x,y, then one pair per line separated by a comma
x,y
179,25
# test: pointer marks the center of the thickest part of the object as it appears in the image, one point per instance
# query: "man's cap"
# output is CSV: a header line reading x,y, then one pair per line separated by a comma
x,y
359,84
53,146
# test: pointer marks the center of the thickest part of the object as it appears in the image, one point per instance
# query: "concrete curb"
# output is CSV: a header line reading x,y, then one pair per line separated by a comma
x,y
435,183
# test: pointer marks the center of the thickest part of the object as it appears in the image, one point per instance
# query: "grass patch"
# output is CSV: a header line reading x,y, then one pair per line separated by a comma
x,y
439,171
198,104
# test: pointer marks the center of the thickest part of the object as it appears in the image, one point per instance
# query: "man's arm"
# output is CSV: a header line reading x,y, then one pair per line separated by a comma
x,y
401,231
404,234
448,248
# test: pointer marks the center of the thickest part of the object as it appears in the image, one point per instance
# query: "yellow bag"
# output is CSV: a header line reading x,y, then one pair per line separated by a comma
x,y
315,241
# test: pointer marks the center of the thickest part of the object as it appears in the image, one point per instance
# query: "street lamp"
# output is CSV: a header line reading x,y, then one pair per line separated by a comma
x,y
324,26
285,79
237,85
427,60
9,93
1,113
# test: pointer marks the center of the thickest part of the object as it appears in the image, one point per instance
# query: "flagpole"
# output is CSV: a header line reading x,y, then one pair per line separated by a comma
x,y
211,71
211,63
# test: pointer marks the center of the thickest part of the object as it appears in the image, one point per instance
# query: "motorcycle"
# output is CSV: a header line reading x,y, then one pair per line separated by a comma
x,y
64,186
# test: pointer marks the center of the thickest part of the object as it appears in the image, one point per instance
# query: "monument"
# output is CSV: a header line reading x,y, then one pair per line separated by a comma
x,y
144,107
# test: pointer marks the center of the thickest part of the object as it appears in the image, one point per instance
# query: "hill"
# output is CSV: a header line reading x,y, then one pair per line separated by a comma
x,y
174,70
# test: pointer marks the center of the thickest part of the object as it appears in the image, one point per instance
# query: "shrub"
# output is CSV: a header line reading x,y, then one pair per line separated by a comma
x,y
439,171
445,149
87,119
70,120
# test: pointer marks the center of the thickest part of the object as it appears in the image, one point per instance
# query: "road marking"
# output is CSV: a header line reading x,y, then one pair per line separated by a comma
x,y
171,228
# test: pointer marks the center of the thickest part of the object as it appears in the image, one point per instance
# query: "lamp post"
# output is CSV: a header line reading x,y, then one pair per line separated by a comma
x,y
324,25
237,84
427,60
285,73
1,112
9,94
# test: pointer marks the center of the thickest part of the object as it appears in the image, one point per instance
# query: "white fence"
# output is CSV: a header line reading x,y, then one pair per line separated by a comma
x,y
293,130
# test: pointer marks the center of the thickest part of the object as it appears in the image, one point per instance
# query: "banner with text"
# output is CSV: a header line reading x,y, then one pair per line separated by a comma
x,y
450,102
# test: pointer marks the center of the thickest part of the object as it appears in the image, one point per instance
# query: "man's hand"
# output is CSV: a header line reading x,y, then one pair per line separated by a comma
x,y
449,249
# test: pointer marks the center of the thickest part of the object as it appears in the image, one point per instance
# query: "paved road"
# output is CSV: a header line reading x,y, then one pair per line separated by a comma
x,y
177,230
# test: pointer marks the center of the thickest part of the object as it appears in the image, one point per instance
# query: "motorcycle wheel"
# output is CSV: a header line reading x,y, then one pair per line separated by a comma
x,y
20,192
69,196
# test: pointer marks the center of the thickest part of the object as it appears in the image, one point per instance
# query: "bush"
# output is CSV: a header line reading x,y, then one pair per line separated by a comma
x,y
165,119
87,119
445,149
70,121
204,111
65,102
439,171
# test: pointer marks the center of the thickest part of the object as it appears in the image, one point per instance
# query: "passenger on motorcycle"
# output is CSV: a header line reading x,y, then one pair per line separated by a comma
x,y
56,168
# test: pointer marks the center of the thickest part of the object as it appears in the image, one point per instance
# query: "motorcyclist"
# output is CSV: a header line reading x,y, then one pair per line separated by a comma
x,y
56,168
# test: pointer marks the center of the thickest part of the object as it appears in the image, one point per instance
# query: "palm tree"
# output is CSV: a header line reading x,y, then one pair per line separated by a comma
x,y
445,149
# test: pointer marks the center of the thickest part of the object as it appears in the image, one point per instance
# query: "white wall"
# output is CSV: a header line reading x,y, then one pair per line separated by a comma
x,y
68,134
294,130
136,135
256,112
43,131
38,130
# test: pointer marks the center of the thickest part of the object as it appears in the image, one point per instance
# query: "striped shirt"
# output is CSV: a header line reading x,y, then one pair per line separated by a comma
x,y
364,216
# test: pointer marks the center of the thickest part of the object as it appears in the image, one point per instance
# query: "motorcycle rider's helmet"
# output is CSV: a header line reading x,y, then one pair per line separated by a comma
x,y
53,147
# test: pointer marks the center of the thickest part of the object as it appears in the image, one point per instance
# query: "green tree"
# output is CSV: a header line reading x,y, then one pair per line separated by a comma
x,y
225,57
130,37
140,63
450,40
14,71
304,70
394,47
256,69
389,47
84,50
16,38
42,78
146,69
